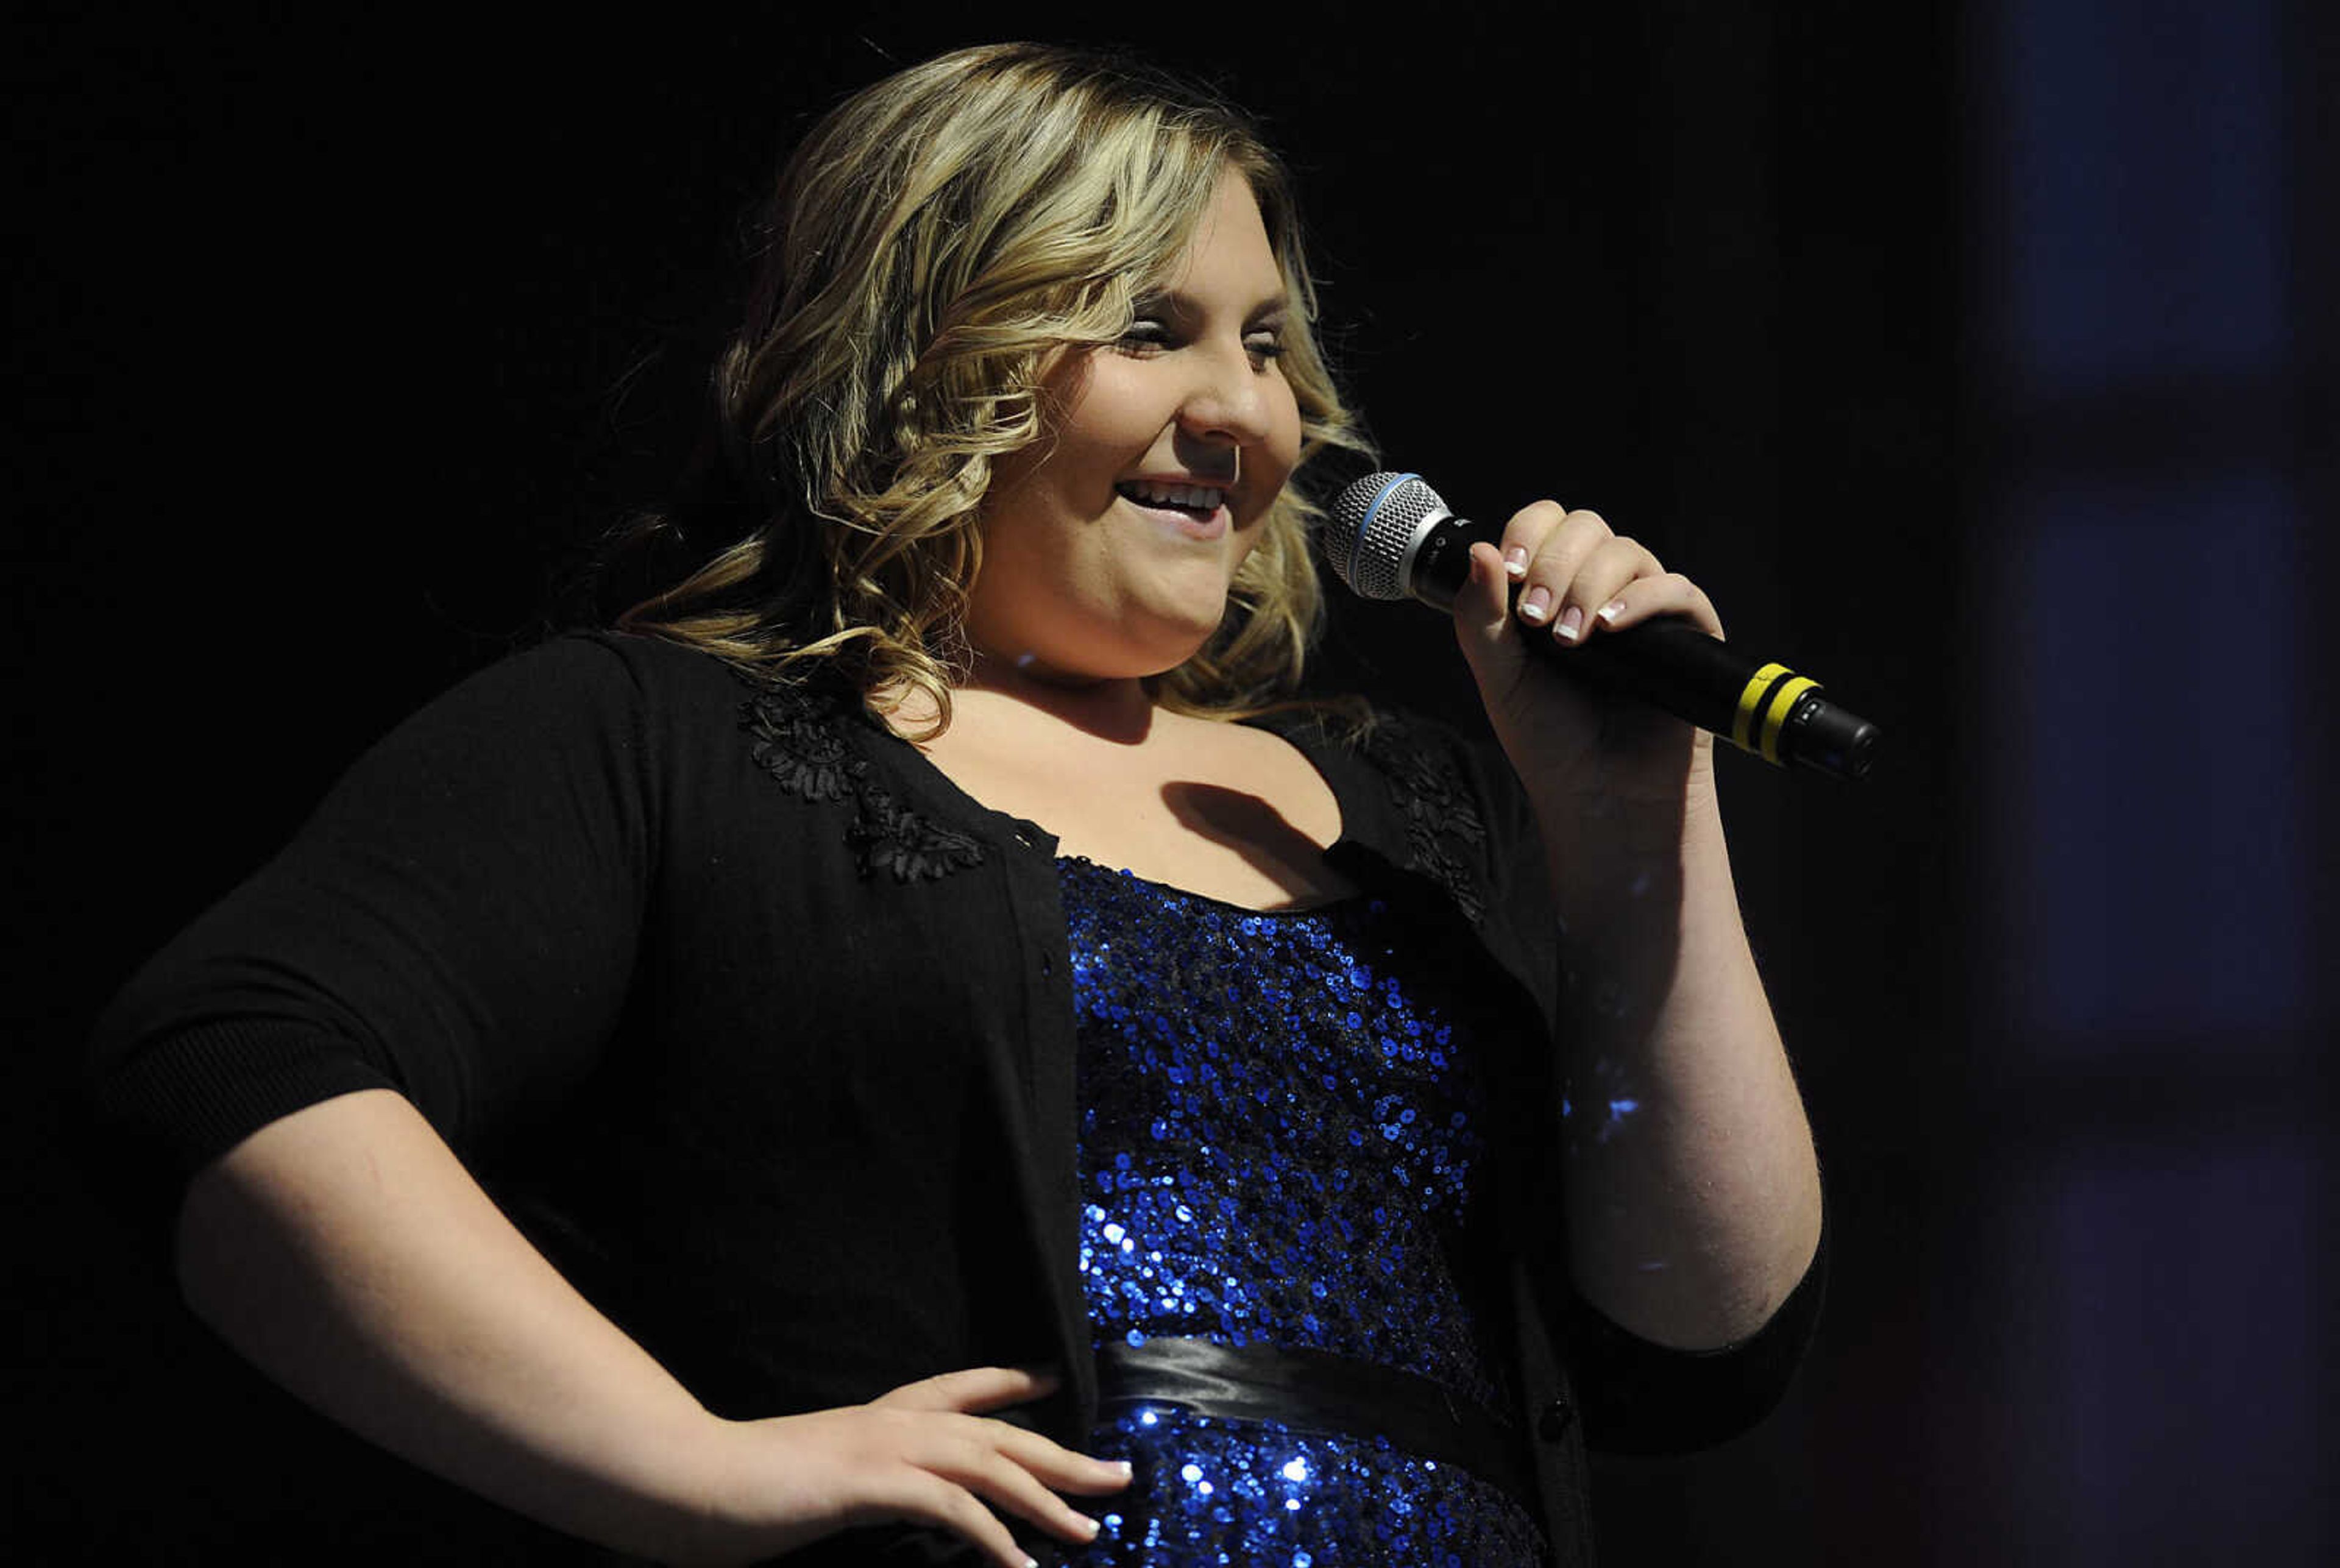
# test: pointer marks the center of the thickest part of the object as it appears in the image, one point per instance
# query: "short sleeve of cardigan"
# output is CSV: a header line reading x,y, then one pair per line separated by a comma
x,y
1638,1398
1635,1397
457,922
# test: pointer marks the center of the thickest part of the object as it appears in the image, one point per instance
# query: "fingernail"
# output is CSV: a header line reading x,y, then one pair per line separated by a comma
x,y
1571,623
1537,604
1612,610
1090,1526
1516,561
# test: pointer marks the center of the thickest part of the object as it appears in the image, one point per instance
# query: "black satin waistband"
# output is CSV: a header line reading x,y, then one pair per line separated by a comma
x,y
1318,1391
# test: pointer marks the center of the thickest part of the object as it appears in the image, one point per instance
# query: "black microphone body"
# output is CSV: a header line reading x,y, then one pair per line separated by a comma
x,y
1389,536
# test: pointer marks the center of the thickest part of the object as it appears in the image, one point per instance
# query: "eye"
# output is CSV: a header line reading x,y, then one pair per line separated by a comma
x,y
1265,345
1147,334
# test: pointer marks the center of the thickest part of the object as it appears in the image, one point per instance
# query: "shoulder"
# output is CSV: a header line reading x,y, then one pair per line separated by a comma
x,y
614,679
618,663
596,714
1431,795
1423,763
580,669
698,743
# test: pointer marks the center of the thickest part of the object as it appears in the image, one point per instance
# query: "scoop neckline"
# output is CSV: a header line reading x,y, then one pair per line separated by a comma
x,y
943,790
1279,910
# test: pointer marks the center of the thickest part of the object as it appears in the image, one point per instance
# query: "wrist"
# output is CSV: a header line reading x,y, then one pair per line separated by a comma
x,y
695,1523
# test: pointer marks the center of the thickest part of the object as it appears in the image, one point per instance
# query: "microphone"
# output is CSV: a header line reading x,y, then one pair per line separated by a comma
x,y
1389,536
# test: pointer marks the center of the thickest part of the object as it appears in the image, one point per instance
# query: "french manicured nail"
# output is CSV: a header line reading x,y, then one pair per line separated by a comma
x,y
1537,604
1515,563
1611,610
1571,623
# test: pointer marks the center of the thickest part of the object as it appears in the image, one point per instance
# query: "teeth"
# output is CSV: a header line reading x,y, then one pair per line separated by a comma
x,y
1195,497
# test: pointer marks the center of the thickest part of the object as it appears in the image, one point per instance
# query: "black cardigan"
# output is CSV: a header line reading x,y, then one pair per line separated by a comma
x,y
763,1030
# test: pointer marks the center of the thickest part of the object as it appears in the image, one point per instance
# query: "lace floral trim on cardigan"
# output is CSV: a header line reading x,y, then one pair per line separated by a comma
x,y
1436,806
800,740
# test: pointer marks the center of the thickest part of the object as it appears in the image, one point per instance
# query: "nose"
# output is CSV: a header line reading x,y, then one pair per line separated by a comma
x,y
1228,400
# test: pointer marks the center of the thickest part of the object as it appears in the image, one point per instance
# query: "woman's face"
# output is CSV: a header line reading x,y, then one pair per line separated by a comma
x,y
1109,542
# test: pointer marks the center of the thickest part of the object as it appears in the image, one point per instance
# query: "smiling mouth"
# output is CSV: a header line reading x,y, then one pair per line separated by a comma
x,y
1199,502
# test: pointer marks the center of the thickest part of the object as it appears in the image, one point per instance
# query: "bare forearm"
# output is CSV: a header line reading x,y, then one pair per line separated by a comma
x,y
346,1252
1693,1193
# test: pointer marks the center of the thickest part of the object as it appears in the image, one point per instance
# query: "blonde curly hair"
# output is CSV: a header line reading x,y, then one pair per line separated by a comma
x,y
933,244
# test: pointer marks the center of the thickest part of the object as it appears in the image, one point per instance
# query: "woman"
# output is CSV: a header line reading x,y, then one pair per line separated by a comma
x,y
951,1090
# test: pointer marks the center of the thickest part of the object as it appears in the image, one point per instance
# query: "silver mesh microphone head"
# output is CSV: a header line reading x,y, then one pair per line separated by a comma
x,y
1372,528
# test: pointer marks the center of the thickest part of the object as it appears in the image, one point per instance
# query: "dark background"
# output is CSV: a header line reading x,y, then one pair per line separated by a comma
x,y
1976,358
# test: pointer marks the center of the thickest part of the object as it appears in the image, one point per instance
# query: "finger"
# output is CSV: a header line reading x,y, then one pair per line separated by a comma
x,y
1668,593
1600,576
1524,534
924,1497
982,1468
974,1389
1544,587
1064,1469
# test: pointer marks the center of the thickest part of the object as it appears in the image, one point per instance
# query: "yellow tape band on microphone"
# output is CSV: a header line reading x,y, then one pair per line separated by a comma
x,y
1750,701
1775,716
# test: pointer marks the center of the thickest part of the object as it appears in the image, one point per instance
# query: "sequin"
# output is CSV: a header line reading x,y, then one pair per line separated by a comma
x,y
1206,1490
1280,1145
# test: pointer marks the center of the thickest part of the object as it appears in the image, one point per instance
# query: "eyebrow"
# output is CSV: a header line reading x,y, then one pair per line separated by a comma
x,y
1182,305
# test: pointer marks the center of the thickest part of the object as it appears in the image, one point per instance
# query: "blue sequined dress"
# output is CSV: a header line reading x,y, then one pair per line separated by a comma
x,y
1281,1144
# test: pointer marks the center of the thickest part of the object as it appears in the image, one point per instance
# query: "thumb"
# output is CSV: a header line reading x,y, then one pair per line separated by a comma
x,y
1482,623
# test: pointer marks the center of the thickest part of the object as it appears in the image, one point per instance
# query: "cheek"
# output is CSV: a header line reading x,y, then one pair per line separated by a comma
x,y
1283,444
1115,402
1082,403
1273,459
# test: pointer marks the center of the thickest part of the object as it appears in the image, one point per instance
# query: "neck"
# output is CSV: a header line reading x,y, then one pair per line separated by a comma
x,y
1119,710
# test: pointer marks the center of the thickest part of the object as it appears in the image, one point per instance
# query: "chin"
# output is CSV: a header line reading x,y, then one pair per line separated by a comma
x,y
1179,640
1145,630
1151,657
1121,658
